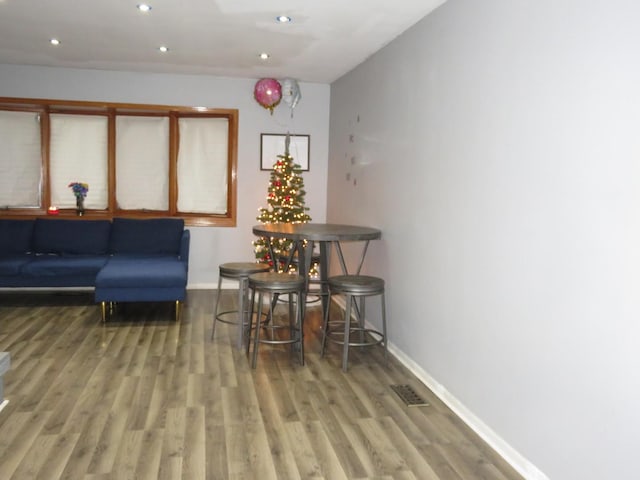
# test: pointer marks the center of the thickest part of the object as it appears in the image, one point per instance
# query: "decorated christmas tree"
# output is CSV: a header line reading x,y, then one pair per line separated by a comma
x,y
285,197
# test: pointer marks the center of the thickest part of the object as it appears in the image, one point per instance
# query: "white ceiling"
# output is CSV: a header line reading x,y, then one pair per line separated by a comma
x,y
326,38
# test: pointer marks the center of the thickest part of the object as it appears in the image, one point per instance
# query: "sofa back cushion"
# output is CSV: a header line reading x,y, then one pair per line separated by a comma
x,y
15,236
146,237
85,237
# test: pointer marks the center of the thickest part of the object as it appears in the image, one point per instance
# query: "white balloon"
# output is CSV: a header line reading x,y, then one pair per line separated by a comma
x,y
290,92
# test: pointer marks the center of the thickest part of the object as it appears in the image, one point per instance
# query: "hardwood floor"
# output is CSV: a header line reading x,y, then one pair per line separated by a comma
x,y
144,397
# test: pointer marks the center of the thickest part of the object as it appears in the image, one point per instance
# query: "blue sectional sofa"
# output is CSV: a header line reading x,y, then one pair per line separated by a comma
x,y
125,260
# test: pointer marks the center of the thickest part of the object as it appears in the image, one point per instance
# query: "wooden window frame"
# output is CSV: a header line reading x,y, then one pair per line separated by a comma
x,y
111,110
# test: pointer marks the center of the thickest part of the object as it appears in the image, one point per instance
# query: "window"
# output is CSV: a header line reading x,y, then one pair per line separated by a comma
x,y
139,160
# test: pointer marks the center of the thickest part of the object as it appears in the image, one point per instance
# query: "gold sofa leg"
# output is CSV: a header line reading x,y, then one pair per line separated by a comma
x,y
104,311
178,310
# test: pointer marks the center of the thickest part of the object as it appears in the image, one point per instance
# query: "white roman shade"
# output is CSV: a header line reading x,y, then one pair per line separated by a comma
x,y
202,165
142,163
78,154
20,159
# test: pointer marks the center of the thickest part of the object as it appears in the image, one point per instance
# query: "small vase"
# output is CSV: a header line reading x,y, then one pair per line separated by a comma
x,y
79,206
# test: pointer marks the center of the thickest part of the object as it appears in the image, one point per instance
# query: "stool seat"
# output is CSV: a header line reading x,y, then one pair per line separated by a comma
x,y
276,282
242,269
239,271
357,284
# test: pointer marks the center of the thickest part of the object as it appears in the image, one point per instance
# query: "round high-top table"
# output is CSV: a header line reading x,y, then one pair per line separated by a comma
x,y
325,234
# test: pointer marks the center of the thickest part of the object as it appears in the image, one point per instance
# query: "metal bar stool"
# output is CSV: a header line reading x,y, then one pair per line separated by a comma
x,y
354,287
274,284
239,271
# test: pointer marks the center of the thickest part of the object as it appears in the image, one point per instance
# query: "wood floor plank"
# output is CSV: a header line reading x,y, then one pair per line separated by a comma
x,y
238,455
56,460
180,377
282,453
403,445
173,445
129,451
193,467
159,402
106,449
35,457
80,457
140,353
33,388
148,464
143,396
438,462
389,460
260,459
345,450
287,409
295,381
25,433
215,449
302,449
325,452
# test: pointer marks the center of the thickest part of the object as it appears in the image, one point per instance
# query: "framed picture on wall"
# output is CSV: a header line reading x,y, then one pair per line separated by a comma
x,y
272,145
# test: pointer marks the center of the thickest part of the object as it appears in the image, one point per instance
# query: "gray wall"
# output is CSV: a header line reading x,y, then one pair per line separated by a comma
x,y
496,145
210,246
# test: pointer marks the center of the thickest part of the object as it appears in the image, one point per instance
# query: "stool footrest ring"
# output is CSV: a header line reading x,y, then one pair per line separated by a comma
x,y
234,321
338,337
272,328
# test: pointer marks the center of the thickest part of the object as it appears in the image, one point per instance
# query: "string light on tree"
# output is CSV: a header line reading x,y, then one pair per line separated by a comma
x,y
285,198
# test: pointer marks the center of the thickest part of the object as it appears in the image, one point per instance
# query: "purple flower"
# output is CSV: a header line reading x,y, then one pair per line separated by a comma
x,y
79,189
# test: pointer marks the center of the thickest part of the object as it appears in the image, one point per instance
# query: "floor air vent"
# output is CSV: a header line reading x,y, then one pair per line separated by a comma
x,y
409,396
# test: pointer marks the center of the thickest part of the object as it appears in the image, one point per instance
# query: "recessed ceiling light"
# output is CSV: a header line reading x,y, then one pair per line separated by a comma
x,y
264,55
163,48
143,7
54,41
283,19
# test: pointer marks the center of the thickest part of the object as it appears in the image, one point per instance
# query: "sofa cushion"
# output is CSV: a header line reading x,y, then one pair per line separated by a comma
x,y
142,272
68,265
11,266
85,237
153,236
15,236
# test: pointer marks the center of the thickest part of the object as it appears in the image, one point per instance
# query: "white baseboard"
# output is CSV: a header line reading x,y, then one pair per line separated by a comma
x,y
523,466
226,285
47,289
